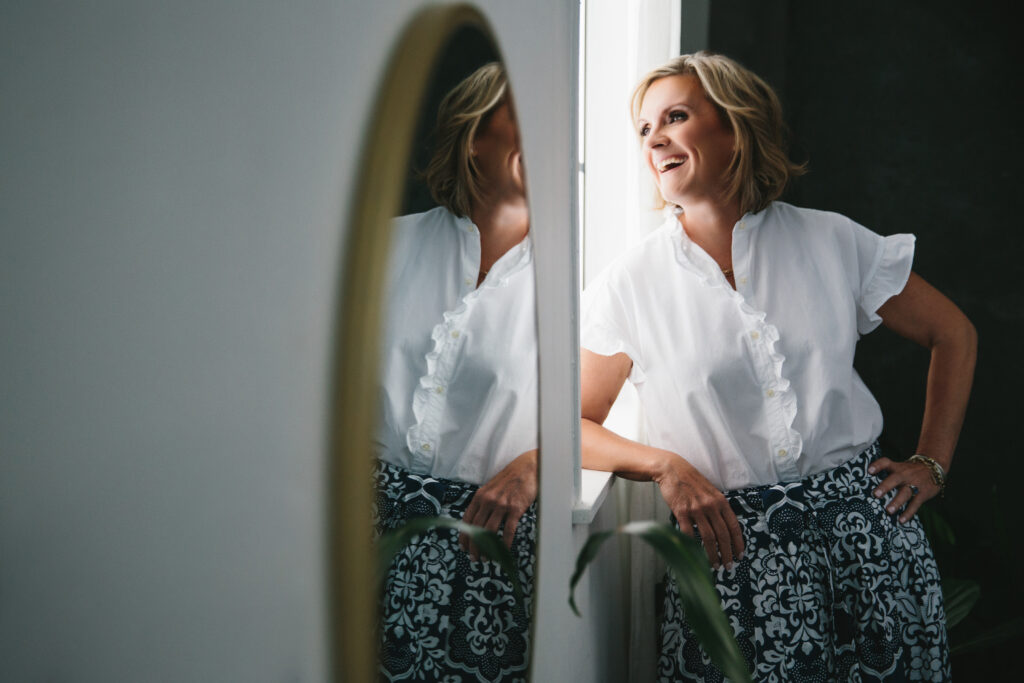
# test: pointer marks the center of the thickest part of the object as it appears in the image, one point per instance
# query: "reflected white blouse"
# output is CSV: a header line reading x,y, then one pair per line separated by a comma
x,y
754,385
458,391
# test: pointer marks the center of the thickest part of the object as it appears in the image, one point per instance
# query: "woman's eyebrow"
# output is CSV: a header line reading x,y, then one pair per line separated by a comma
x,y
668,107
681,103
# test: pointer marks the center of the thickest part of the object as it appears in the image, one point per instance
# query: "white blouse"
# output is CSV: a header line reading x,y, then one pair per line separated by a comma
x,y
458,392
754,385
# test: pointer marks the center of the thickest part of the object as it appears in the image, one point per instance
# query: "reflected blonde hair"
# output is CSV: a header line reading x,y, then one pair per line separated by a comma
x,y
760,167
452,174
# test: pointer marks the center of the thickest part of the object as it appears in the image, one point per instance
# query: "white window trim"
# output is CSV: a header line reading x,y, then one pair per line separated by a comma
x,y
625,41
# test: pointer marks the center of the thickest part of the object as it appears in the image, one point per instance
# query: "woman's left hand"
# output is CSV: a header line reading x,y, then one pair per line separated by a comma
x,y
501,502
904,476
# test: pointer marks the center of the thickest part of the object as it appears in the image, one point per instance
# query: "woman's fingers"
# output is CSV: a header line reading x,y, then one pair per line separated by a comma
x,y
879,465
723,538
696,502
502,501
492,523
686,523
894,472
735,532
911,482
511,524
493,515
903,495
707,536
912,507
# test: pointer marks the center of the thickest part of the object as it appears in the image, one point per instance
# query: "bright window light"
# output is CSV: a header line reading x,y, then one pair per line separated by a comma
x,y
620,41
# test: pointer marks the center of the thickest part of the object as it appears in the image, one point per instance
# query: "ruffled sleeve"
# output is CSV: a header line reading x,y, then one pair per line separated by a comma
x,y
884,264
607,324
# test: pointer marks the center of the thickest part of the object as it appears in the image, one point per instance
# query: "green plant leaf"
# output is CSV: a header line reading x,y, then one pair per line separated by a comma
x,y
960,596
587,554
489,543
1010,630
692,573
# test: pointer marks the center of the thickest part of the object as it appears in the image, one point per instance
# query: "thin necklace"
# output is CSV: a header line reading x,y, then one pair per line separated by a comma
x,y
726,271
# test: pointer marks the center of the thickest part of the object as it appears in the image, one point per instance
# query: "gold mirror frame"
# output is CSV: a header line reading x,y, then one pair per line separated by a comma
x,y
351,553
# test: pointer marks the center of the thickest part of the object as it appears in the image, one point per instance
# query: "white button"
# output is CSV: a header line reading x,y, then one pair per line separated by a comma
x,y
770,393
755,335
426,446
782,452
439,390
469,280
742,280
742,226
455,334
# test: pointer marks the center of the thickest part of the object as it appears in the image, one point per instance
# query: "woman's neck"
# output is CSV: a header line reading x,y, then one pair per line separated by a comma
x,y
502,225
710,226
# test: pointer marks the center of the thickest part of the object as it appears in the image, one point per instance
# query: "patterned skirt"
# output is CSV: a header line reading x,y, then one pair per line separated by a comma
x,y
830,588
443,616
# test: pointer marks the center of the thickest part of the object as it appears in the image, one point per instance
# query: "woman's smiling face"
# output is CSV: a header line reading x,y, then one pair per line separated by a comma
x,y
687,146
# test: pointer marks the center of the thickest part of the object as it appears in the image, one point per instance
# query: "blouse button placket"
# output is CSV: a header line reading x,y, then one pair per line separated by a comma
x,y
441,378
780,445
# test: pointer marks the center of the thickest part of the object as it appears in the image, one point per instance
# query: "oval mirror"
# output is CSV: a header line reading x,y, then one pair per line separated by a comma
x,y
436,391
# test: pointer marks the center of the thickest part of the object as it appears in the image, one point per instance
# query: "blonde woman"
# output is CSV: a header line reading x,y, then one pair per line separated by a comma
x,y
737,322
457,433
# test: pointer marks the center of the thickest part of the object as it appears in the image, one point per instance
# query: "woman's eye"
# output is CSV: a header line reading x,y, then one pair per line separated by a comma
x,y
677,116
644,130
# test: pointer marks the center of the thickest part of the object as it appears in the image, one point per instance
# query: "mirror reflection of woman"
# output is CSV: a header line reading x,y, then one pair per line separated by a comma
x,y
737,322
457,433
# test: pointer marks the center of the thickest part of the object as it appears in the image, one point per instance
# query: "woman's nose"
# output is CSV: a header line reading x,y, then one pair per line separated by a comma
x,y
655,138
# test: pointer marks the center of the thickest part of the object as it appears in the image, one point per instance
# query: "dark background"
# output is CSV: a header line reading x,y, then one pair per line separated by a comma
x,y
467,50
908,113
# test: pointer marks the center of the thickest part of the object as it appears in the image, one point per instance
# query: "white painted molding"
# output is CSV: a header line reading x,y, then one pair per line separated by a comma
x,y
594,488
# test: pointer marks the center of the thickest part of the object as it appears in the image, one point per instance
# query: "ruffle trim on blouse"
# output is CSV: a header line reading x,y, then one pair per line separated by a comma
x,y
713,278
886,279
511,262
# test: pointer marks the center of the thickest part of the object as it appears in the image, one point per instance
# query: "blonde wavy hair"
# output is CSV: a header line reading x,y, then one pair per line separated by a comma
x,y
452,174
760,167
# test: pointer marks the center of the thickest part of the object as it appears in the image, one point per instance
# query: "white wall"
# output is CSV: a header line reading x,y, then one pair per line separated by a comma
x,y
174,185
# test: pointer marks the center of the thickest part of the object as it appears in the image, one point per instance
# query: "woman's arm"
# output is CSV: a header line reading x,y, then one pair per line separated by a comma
x,y
691,497
922,314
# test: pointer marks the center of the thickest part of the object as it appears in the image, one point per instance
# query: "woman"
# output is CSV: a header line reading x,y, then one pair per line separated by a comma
x,y
737,322
457,434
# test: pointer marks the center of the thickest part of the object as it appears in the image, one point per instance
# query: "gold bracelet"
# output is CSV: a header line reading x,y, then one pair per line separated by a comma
x,y
938,474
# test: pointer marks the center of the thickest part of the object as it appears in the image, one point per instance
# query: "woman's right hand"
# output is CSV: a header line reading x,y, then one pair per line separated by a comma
x,y
696,502
691,497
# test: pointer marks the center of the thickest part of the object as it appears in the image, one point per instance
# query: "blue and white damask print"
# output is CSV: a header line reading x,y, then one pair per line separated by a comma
x,y
443,616
830,588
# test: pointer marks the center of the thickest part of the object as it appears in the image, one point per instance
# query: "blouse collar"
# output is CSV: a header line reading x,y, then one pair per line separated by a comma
x,y
509,263
692,257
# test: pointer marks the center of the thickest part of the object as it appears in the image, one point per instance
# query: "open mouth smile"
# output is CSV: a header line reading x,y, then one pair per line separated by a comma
x,y
668,163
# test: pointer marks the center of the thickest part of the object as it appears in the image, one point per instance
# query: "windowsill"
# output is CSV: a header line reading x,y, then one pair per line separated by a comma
x,y
594,487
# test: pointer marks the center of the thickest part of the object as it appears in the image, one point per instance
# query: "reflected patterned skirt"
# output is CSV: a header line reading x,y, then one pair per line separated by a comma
x,y
830,588
444,617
